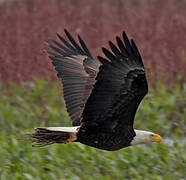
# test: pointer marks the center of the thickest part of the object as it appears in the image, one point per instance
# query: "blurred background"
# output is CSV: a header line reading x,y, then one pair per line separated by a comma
x,y
30,90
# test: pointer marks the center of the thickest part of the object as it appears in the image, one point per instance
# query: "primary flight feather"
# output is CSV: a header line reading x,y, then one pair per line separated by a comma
x,y
101,96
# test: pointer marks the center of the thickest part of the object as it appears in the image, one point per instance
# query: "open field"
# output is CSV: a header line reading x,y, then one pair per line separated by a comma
x,y
28,101
28,105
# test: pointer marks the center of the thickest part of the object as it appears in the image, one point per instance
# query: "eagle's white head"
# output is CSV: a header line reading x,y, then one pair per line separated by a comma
x,y
144,137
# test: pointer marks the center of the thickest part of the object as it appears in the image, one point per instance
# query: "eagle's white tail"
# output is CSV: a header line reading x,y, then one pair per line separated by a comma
x,y
49,135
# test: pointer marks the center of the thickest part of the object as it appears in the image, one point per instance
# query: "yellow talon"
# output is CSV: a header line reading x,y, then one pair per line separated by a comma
x,y
71,139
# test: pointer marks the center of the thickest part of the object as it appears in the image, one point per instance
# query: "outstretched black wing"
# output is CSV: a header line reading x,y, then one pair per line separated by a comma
x,y
121,85
77,69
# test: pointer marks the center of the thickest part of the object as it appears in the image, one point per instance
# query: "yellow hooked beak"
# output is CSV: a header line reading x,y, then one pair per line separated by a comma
x,y
156,138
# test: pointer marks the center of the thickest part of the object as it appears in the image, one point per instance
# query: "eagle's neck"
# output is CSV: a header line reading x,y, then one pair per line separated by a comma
x,y
142,137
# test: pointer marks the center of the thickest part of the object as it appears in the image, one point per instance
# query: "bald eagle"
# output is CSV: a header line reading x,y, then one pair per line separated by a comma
x,y
101,96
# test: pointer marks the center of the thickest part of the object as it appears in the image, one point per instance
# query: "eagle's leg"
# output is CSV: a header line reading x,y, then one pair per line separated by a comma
x,y
71,139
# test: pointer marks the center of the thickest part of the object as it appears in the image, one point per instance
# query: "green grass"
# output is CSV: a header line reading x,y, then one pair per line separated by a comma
x,y
28,105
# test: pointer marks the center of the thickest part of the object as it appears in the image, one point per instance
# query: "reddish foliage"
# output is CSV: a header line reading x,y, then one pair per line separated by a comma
x,y
158,28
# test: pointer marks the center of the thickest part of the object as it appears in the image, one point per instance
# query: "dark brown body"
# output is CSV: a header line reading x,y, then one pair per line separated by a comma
x,y
105,140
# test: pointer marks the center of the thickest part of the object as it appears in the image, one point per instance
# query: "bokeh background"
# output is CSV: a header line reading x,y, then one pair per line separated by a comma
x,y
30,90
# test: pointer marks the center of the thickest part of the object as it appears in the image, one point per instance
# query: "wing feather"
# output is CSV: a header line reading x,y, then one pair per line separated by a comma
x,y
120,86
77,69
